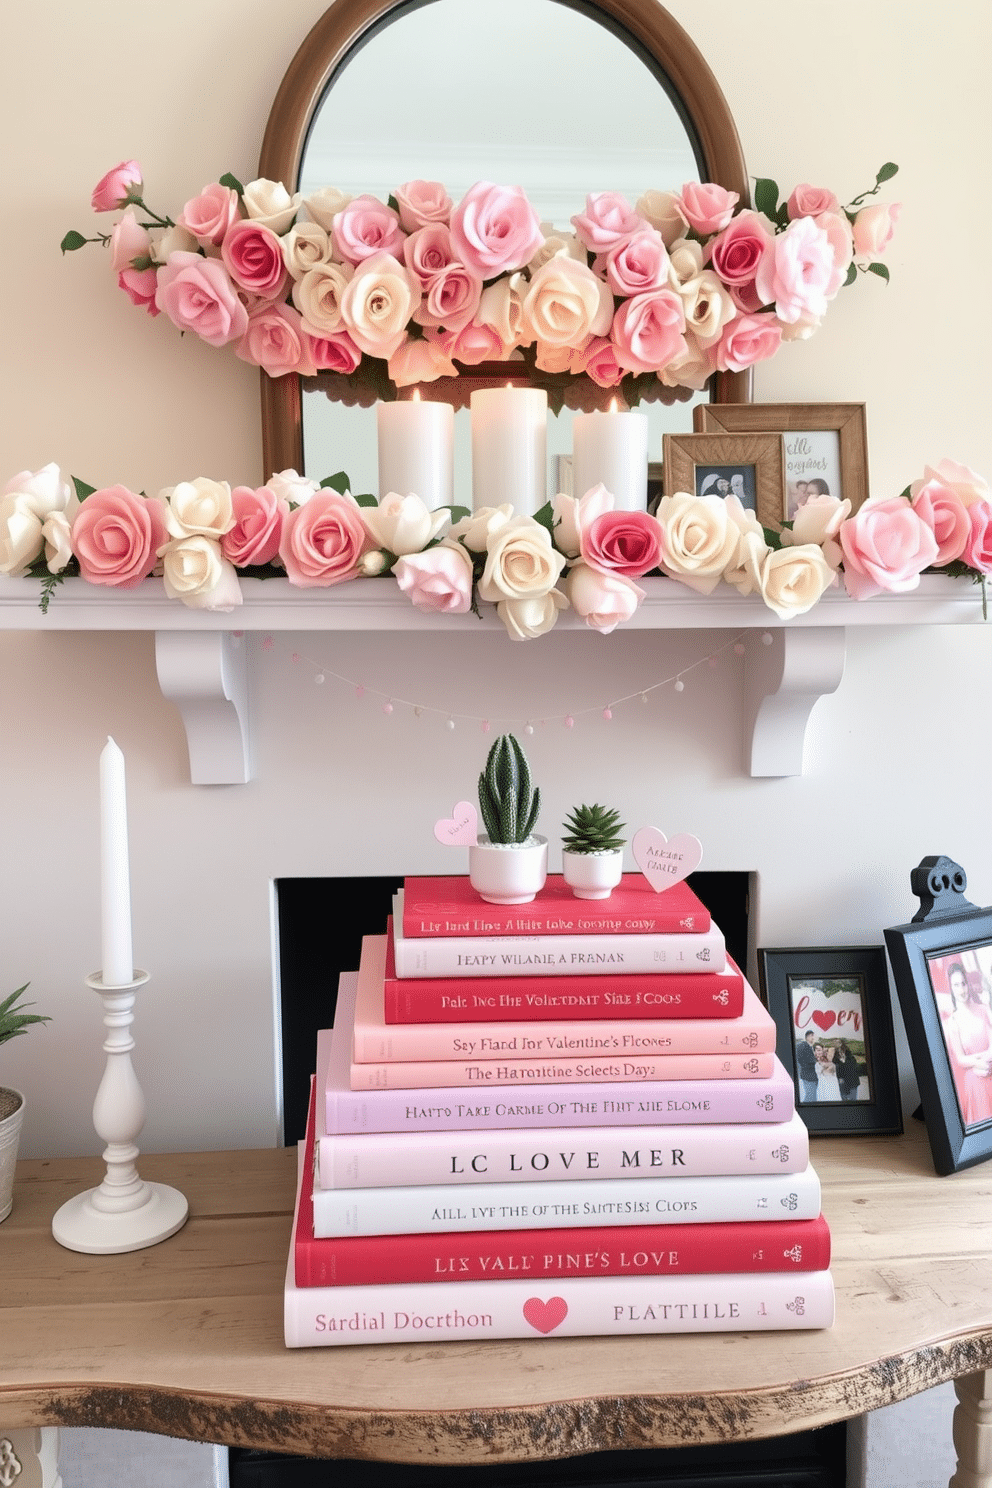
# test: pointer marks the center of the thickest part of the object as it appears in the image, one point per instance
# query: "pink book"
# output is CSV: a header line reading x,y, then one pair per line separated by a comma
x,y
636,994
639,1250
610,1104
450,906
376,1040
483,1074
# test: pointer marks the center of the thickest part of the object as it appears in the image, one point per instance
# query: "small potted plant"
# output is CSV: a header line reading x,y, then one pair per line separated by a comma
x,y
592,851
509,864
13,1021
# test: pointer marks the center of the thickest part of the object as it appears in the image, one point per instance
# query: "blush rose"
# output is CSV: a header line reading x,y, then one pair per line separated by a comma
x,y
797,274
209,215
438,581
197,295
706,207
603,600
886,545
118,187
647,331
323,542
116,536
258,518
253,256
423,204
495,230
365,228
607,221
275,340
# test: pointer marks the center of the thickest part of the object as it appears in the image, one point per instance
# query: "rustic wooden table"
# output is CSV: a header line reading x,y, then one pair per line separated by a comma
x,y
185,1338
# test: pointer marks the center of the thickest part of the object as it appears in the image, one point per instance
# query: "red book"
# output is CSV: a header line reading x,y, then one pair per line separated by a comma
x,y
450,906
648,994
636,1250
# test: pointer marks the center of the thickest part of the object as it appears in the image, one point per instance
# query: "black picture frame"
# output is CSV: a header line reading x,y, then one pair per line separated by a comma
x,y
794,987
956,1099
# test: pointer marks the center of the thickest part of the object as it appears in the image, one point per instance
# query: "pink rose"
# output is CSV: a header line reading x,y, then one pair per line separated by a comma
x,y
439,580
452,298
796,275
630,543
322,542
377,303
427,252
116,536
209,215
118,187
873,229
128,241
747,340
738,253
647,331
970,486
494,229
197,295
603,600
977,551
691,369
639,264
419,361
253,255
607,221
945,514
601,362
810,201
334,351
707,207
140,286
471,344
258,519
365,227
423,204
275,340
887,545
838,230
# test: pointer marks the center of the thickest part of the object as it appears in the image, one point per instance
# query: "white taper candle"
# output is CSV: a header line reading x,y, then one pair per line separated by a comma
x,y
117,968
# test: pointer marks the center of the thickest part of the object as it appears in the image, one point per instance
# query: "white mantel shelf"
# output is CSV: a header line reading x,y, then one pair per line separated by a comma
x,y
202,663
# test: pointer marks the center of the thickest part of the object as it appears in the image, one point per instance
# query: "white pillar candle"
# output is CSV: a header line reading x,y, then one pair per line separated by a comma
x,y
115,884
611,449
417,450
510,448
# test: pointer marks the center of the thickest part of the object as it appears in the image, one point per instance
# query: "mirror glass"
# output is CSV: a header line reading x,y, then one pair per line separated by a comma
x,y
528,93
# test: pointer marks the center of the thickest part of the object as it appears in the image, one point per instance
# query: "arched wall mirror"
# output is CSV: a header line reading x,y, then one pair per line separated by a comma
x,y
561,97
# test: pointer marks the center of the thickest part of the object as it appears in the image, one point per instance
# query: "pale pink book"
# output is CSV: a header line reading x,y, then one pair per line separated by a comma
x,y
676,1102
376,1040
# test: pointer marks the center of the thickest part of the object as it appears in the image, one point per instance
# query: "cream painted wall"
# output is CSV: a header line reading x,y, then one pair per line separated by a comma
x,y
895,769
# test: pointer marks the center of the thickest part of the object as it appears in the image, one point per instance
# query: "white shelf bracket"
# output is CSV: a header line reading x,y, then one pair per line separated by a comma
x,y
205,673
783,682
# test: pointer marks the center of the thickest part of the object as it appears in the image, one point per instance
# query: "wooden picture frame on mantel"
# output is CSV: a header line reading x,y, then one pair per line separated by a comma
x,y
750,466
825,443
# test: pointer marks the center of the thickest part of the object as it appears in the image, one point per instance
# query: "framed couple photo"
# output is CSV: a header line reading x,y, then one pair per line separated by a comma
x,y
833,1015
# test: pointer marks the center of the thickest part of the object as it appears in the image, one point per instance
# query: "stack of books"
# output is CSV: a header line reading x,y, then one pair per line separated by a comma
x,y
561,1118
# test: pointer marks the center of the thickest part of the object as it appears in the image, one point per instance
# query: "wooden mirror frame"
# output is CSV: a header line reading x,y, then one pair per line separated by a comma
x,y
349,24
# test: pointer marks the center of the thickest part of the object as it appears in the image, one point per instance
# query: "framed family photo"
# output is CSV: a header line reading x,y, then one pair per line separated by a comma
x,y
943,975
749,466
833,1014
825,446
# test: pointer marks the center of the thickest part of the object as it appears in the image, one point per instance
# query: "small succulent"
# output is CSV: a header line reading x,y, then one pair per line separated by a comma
x,y
593,829
13,1020
509,803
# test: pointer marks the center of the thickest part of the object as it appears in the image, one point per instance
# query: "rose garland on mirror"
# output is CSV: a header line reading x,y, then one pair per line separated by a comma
x,y
577,552
390,294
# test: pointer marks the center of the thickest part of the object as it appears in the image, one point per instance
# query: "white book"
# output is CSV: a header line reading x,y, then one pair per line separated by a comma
x,y
553,955
568,1205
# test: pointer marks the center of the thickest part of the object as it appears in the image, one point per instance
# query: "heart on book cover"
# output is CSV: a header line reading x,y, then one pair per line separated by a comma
x,y
461,828
824,1020
665,861
545,1316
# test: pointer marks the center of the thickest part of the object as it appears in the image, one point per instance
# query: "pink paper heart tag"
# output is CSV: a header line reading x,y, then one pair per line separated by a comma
x,y
461,828
545,1317
665,861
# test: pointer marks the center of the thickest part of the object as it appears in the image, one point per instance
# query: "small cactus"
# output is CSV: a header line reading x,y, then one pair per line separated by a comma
x,y
508,801
593,829
14,1021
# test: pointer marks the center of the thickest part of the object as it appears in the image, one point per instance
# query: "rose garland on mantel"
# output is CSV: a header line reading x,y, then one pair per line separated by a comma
x,y
577,552
648,300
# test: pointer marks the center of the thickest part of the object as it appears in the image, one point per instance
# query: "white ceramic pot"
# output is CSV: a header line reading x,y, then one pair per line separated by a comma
x,y
510,872
592,875
10,1136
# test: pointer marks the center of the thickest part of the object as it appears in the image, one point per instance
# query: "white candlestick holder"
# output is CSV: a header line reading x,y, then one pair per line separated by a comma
x,y
124,1213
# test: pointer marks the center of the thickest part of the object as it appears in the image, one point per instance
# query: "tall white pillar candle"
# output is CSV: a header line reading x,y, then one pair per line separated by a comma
x,y
417,450
510,448
611,449
117,962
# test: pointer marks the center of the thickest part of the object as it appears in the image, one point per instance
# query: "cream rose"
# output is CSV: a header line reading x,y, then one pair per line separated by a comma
x,y
501,306
556,245
377,304
403,524
708,307
603,600
170,240
819,521
520,561
532,616
195,570
701,539
572,513
790,580
318,295
198,508
660,209
324,205
475,531
29,501
304,247
56,532
269,203
567,303
291,487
